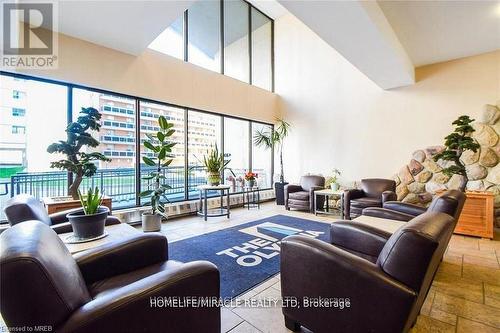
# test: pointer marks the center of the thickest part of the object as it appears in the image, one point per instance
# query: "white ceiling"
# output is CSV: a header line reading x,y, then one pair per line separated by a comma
x,y
127,26
436,31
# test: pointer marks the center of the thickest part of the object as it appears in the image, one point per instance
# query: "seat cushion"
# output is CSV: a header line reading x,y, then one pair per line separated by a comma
x,y
366,202
301,195
100,288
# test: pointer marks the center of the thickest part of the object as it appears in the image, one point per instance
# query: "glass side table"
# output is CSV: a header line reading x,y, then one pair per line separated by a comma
x,y
327,193
251,197
220,211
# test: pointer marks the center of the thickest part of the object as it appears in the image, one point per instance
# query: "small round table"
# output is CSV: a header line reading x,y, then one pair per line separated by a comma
x,y
251,197
221,211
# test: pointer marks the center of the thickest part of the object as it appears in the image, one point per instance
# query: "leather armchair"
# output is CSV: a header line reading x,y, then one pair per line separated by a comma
x,y
450,202
385,294
301,196
373,193
112,288
25,207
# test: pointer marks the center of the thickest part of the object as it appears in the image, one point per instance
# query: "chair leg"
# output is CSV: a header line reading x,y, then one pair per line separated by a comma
x,y
291,324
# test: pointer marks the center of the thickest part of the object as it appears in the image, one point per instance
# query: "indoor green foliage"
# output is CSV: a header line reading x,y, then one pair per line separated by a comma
x,y
214,161
456,143
274,139
161,146
79,163
91,201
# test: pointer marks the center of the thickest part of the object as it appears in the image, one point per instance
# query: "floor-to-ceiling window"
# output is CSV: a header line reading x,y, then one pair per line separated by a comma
x,y
226,36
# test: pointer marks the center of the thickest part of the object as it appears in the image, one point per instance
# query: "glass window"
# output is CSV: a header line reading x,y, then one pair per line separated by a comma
x,y
171,40
261,50
174,174
116,178
236,149
262,159
24,139
236,57
204,34
204,132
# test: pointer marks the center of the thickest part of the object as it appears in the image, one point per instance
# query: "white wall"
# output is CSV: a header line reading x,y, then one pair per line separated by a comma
x,y
341,119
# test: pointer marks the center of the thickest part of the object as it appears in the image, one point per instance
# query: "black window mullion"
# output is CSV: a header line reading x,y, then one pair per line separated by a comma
x,y
69,116
250,146
222,36
185,35
222,142
137,152
186,158
250,44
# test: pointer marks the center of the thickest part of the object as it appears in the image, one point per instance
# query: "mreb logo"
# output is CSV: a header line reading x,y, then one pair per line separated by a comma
x,y
266,245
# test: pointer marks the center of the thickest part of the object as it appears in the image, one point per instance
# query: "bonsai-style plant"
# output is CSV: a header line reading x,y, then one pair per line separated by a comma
x,y
274,139
214,163
332,181
456,143
161,146
80,164
250,177
89,223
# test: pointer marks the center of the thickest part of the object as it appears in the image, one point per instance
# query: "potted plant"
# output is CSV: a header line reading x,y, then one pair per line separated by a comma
x,y
274,139
332,182
456,144
215,164
79,163
250,177
89,222
159,144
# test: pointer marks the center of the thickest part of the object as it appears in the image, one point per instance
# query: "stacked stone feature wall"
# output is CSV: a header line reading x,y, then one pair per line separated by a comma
x,y
418,181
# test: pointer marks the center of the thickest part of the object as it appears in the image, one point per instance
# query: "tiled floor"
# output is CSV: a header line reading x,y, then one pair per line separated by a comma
x,y
465,295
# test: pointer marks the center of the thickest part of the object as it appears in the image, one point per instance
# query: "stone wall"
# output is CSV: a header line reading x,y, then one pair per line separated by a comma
x,y
418,181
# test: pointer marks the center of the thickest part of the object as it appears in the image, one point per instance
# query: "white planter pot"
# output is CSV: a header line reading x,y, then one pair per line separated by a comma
x,y
151,222
334,186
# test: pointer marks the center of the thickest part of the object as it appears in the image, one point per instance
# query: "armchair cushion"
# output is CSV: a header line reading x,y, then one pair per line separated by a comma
x,y
405,208
387,214
366,202
300,195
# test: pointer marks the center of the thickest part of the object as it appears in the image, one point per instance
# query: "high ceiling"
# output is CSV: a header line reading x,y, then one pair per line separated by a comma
x,y
436,31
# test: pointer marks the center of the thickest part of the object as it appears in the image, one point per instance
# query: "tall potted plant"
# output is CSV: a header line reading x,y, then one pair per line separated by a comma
x,y
456,143
161,146
80,164
215,164
274,139
89,222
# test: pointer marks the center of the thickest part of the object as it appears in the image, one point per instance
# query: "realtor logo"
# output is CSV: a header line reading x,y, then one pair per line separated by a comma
x,y
28,38
266,245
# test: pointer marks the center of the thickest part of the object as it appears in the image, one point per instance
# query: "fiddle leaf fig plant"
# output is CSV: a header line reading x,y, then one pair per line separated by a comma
x,y
456,143
161,147
80,164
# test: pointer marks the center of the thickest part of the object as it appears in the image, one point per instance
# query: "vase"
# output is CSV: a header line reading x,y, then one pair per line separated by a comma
x,y
88,226
213,178
334,186
251,183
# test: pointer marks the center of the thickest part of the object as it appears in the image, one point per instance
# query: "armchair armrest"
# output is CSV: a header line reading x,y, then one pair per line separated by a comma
x,y
60,217
312,198
122,256
64,227
358,237
348,196
312,268
389,196
387,214
132,308
404,207
290,188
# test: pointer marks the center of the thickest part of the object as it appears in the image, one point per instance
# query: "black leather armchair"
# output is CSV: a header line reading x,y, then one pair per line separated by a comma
x,y
118,287
301,196
450,202
25,207
384,294
373,193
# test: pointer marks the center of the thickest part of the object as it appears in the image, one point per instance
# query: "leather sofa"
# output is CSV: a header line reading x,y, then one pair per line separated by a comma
x,y
25,207
450,202
382,294
373,193
301,196
117,287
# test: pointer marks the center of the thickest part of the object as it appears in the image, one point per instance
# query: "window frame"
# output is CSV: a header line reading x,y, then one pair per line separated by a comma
x,y
137,100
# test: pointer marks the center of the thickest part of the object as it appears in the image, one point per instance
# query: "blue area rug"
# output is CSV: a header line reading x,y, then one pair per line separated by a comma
x,y
248,253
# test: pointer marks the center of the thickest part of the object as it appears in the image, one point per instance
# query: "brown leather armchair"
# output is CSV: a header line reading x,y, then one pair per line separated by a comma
x,y
373,193
450,202
385,294
25,207
301,196
117,287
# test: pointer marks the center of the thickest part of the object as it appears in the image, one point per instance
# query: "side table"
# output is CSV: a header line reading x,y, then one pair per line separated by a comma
x,y
251,197
221,211
327,193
